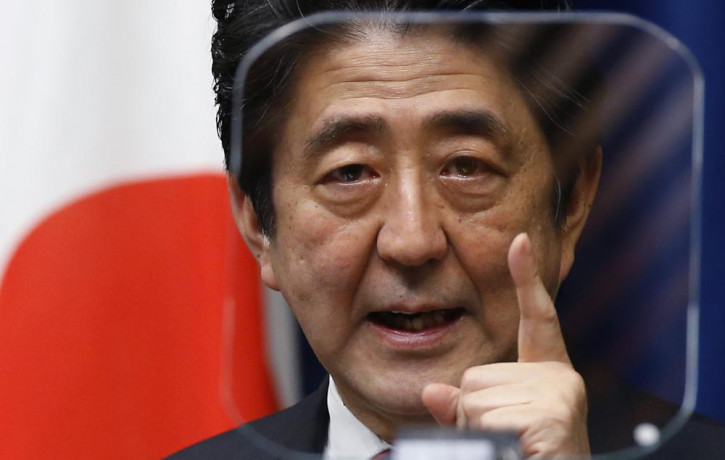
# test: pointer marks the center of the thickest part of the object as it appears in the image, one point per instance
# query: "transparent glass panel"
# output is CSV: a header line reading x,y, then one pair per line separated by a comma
x,y
406,151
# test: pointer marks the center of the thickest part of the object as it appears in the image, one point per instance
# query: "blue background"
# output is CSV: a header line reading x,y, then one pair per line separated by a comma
x,y
700,25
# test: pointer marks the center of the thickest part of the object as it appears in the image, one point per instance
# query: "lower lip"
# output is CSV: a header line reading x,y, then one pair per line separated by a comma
x,y
415,340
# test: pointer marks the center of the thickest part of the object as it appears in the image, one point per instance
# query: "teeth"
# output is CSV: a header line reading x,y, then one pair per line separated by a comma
x,y
413,322
439,317
417,324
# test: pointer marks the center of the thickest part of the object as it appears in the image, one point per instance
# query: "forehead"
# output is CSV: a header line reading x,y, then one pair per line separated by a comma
x,y
391,64
412,77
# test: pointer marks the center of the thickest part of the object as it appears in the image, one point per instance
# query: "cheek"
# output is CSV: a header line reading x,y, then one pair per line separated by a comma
x,y
545,237
482,240
531,205
483,252
319,259
485,262
481,244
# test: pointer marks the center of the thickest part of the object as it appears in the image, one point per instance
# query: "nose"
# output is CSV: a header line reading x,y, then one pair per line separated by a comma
x,y
411,233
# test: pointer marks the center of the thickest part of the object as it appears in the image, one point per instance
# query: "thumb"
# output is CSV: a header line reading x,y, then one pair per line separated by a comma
x,y
442,402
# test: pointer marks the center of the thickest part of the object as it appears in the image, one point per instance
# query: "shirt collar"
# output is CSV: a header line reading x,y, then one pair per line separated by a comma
x,y
347,437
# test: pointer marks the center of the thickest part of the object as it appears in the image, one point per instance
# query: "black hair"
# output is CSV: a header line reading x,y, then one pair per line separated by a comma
x,y
243,23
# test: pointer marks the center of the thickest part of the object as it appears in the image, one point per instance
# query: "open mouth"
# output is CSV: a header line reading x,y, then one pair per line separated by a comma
x,y
415,322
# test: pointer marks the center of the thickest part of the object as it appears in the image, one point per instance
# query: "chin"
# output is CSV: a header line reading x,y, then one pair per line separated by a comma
x,y
399,393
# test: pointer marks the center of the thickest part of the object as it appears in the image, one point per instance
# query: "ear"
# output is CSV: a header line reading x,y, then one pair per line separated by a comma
x,y
248,225
577,208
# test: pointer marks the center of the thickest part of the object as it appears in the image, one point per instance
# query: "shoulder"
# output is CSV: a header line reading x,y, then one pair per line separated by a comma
x,y
300,428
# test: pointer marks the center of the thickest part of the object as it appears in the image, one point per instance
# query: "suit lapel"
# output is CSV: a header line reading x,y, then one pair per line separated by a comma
x,y
302,427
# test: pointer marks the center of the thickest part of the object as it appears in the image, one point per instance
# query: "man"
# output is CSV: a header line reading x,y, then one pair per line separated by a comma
x,y
402,192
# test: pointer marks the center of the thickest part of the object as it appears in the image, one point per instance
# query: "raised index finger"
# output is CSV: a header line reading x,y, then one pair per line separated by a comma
x,y
540,336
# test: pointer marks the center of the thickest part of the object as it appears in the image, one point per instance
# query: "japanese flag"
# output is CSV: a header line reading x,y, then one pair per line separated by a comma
x,y
120,266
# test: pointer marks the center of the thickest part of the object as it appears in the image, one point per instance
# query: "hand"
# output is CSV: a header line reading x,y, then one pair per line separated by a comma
x,y
541,396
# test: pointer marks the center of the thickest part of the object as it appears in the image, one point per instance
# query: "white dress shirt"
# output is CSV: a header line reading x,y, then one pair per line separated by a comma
x,y
347,437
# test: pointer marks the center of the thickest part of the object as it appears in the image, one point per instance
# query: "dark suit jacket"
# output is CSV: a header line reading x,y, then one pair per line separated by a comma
x,y
299,429
300,432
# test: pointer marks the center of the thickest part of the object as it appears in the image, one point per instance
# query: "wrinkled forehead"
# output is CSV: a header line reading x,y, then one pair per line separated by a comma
x,y
418,79
413,64
388,59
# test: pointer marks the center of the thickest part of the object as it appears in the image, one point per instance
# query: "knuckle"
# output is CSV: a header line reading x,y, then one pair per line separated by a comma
x,y
471,380
574,386
542,439
469,407
566,375
538,449
559,419
554,413
548,314
578,384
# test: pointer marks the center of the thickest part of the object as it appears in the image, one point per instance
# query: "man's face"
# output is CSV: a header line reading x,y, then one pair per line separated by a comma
x,y
405,169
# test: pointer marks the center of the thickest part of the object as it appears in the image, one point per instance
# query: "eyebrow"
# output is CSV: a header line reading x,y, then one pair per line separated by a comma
x,y
336,130
480,123
339,129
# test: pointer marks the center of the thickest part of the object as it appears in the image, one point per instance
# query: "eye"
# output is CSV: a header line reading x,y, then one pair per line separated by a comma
x,y
349,174
464,167
348,189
